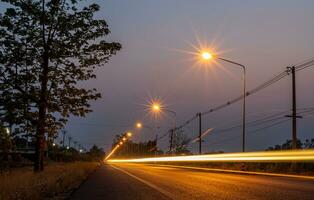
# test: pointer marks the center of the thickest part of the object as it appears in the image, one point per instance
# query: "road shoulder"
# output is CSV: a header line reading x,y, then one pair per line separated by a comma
x,y
109,183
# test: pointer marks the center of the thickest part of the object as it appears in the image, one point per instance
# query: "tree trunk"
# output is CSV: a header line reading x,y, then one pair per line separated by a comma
x,y
42,111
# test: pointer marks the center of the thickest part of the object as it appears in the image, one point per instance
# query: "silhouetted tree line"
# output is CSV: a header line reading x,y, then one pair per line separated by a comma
x,y
306,144
18,151
149,148
131,149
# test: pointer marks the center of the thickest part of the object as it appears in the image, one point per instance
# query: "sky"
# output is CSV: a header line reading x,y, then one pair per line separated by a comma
x,y
157,62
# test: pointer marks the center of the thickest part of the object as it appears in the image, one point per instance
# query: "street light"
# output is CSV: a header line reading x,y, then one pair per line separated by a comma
x,y
208,56
129,134
139,125
156,107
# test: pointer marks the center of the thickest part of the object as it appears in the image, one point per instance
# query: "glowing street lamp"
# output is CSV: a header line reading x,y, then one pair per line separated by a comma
x,y
156,107
53,144
129,134
209,56
124,139
139,125
206,55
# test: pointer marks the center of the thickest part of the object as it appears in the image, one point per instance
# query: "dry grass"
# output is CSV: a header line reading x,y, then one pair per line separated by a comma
x,y
57,179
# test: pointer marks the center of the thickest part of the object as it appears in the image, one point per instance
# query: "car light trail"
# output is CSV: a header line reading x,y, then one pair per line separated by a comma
x,y
112,152
124,139
264,156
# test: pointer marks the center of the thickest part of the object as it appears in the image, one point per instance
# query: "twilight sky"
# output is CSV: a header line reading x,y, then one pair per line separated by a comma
x,y
266,36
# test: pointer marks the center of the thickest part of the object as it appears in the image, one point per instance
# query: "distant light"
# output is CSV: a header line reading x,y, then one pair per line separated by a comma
x,y
68,147
206,55
53,144
139,125
124,139
7,130
120,143
81,150
129,134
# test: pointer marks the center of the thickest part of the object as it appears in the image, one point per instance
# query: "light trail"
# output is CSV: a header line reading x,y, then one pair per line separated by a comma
x,y
234,171
112,152
124,139
263,156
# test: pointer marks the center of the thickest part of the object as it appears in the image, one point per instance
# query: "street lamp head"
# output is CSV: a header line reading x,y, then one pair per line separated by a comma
x,y
156,107
120,143
124,139
206,55
139,125
129,134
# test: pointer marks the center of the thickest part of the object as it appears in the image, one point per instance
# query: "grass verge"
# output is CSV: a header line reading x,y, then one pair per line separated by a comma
x,y
56,182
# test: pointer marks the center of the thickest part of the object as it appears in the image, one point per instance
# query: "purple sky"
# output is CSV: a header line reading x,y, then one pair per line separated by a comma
x,y
266,36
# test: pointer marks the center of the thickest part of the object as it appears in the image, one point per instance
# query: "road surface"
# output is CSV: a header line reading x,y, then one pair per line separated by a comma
x,y
139,181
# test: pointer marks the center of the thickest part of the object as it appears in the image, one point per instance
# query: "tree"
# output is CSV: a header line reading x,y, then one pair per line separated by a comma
x,y
5,143
285,146
180,143
46,48
96,153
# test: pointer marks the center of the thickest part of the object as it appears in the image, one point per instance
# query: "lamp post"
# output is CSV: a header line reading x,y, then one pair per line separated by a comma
x,y
139,125
208,56
158,108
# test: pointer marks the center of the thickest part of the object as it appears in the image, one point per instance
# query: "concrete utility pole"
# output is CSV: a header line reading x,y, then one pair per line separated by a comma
x,y
64,133
294,108
70,138
200,132
171,140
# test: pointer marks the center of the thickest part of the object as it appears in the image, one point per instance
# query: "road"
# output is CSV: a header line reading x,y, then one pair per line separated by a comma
x,y
139,181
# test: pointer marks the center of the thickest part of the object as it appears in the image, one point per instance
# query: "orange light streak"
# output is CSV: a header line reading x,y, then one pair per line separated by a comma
x,y
268,156
112,152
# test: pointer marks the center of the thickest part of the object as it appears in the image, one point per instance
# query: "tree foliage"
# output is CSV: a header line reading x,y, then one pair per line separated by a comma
x,y
46,49
307,144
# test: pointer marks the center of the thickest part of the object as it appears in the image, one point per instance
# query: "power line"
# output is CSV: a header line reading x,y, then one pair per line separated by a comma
x,y
276,78
306,113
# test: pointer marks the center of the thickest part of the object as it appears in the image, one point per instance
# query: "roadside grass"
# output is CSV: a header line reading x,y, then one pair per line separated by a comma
x,y
56,182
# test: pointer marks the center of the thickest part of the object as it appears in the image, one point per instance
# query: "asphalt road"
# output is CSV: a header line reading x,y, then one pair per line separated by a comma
x,y
140,181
